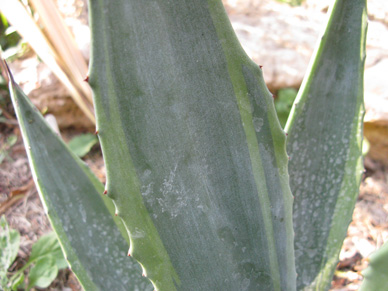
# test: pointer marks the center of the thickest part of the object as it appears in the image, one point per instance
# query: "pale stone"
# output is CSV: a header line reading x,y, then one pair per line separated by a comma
x,y
376,91
278,37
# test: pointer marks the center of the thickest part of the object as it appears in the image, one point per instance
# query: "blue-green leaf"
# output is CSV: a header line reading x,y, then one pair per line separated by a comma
x,y
90,238
195,155
325,144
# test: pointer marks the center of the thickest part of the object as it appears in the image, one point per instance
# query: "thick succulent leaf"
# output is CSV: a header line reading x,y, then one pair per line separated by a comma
x,y
376,275
71,195
324,144
195,155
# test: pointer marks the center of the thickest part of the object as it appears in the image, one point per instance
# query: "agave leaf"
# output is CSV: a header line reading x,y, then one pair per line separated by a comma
x,y
195,155
376,275
70,193
325,137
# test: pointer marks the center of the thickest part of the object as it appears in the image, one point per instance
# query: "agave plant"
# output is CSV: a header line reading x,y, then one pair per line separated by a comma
x,y
198,177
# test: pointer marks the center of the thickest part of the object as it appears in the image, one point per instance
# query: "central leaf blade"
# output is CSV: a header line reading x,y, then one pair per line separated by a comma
x,y
194,153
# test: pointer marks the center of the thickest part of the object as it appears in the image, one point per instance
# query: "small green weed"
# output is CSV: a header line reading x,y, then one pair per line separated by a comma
x,y
283,103
82,144
46,259
4,148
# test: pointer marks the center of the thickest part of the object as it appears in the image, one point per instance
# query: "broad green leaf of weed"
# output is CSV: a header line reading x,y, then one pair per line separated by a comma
x,y
43,272
4,149
9,246
283,103
47,245
11,140
60,260
17,282
82,144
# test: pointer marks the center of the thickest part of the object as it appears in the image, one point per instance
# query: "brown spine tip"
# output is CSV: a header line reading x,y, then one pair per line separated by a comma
x,y
129,255
96,132
105,192
116,214
143,275
286,134
260,66
86,79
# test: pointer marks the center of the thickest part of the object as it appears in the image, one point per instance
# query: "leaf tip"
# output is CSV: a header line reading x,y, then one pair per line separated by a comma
x,y
6,71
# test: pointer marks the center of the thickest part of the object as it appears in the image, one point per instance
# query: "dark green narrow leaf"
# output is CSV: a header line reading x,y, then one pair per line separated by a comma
x,y
325,137
195,155
71,194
